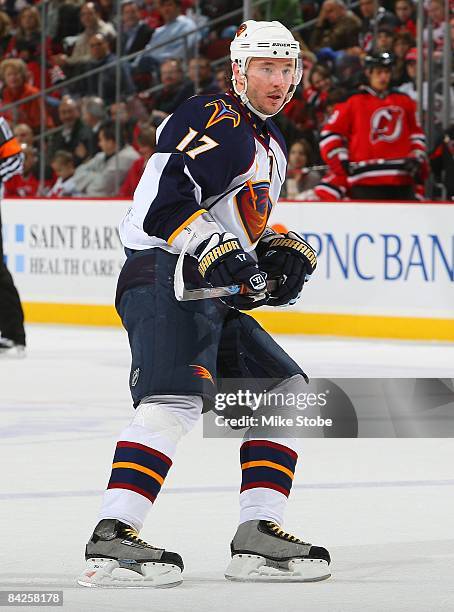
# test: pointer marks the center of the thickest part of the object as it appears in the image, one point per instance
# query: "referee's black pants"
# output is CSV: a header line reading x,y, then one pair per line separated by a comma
x,y
11,313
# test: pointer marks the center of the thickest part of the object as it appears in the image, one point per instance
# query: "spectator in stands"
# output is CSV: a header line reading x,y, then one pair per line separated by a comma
x,y
129,123
146,141
28,35
62,20
93,115
372,15
26,45
24,185
320,82
107,10
64,167
336,27
103,84
384,39
175,25
349,70
92,24
222,79
176,89
409,86
442,162
134,33
13,73
201,77
102,175
296,120
436,11
287,12
406,19
403,42
75,137
150,13
24,134
300,176
335,96
5,32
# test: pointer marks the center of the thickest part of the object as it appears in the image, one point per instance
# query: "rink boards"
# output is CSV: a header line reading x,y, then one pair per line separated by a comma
x,y
384,270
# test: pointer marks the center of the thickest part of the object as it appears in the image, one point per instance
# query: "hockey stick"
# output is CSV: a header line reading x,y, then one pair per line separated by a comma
x,y
184,295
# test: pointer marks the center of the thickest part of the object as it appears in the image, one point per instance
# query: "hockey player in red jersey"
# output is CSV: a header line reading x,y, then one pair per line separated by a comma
x,y
208,191
372,143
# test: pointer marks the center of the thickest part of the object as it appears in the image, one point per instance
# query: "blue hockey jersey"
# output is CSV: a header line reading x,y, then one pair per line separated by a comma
x,y
212,155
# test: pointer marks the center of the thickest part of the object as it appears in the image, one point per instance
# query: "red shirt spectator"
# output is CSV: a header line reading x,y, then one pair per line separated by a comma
x,y
13,72
146,143
405,11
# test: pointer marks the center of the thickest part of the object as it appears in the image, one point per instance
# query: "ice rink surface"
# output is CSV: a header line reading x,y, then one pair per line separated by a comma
x,y
384,508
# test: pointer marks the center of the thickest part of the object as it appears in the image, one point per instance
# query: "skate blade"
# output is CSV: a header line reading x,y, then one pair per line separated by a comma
x,y
253,568
107,573
13,353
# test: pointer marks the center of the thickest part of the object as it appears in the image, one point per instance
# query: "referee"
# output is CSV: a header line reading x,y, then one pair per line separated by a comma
x,y
12,332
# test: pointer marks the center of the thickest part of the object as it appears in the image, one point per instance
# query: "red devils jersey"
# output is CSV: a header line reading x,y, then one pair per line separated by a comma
x,y
373,135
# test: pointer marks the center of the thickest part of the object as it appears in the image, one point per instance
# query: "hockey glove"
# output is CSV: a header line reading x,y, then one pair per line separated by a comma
x,y
417,166
289,258
223,262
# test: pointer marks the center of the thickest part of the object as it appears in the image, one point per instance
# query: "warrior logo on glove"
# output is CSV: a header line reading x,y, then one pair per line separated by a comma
x,y
223,262
299,245
289,258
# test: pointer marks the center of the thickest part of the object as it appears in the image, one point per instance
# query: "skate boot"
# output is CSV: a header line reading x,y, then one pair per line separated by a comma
x,y
9,348
117,557
263,552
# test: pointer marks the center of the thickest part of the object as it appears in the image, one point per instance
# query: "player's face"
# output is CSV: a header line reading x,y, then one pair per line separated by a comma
x,y
380,78
268,82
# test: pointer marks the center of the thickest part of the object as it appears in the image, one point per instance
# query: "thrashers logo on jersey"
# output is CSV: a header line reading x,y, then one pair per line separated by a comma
x,y
202,372
386,124
222,110
254,207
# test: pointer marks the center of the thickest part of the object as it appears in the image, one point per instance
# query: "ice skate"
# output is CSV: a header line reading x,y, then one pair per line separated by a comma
x,y
9,348
263,552
117,557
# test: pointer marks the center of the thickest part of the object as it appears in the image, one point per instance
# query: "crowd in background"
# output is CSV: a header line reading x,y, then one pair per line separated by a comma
x,y
87,156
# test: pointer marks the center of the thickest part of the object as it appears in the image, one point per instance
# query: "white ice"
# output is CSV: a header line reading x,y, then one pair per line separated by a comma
x,y
384,508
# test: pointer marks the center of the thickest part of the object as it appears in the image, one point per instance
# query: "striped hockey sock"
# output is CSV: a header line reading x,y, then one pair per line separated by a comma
x,y
138,473
267,474
139,468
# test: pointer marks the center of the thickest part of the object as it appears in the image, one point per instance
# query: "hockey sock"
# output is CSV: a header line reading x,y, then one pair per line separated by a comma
x,y
144,454
267,474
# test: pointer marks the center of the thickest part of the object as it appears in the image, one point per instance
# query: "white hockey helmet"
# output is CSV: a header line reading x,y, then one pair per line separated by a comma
x,y
264,39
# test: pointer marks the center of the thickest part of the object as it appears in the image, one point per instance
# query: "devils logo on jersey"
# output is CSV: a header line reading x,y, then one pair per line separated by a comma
x,y
254,206
386,124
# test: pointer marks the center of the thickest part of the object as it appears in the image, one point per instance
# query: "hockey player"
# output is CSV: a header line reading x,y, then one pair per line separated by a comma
x,y
12,333
209,188
373,143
